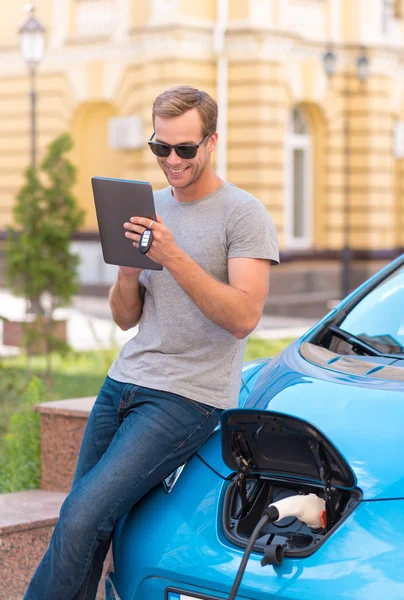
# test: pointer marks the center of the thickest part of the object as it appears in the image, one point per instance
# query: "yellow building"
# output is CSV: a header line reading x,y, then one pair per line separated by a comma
x,y
325,155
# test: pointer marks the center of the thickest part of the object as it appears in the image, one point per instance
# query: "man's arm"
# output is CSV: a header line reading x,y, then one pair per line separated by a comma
x,y
125,298
236,307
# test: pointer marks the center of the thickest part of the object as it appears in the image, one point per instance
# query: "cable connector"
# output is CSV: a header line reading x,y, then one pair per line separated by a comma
x,y
308,508
272,513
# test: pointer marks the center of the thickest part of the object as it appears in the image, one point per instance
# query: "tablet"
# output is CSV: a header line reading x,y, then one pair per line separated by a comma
x,y
116,201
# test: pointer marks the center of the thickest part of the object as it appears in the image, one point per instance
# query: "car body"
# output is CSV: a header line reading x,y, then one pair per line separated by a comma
x,y
326,416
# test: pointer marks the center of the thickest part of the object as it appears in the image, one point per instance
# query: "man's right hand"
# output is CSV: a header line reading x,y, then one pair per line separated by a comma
x,y
125,299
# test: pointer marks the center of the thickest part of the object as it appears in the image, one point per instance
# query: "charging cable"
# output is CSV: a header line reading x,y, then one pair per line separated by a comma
x,y
309,509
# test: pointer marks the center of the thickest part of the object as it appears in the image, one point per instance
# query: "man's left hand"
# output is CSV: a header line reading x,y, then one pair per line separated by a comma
x,y
163,246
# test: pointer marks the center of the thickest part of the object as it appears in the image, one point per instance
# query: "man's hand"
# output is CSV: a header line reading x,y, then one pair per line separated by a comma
x,y
125,298
163,246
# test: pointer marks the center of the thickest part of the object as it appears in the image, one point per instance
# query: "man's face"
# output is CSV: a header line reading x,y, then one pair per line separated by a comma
x,y
186,129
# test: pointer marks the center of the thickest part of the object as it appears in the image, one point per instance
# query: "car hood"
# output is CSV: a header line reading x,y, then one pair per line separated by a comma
x,y
363,417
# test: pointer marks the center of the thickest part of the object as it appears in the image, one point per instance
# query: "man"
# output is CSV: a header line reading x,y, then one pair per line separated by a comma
x,y
164,394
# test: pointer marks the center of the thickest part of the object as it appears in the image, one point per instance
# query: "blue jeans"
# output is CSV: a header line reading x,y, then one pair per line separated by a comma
x,y
134,438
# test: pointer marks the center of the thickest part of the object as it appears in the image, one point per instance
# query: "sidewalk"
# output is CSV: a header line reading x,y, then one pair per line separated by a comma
x,y
90,326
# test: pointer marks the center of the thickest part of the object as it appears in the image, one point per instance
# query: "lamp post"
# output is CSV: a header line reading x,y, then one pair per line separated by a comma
x,y
32,46
362,73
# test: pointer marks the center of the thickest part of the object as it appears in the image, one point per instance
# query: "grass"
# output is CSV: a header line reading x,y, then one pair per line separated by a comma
x,y
259,348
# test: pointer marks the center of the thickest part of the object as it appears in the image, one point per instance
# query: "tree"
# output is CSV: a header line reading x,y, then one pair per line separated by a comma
x,y
23,246
39,263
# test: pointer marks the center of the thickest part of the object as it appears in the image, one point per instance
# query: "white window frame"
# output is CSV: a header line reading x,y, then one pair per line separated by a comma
x,y
388,12
105,22
303,142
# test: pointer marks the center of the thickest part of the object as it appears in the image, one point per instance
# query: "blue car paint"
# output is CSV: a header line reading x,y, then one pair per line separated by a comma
x,y
250,373
371,440
181,533
176,540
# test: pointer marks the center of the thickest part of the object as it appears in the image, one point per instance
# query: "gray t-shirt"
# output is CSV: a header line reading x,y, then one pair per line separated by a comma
x,y
177,348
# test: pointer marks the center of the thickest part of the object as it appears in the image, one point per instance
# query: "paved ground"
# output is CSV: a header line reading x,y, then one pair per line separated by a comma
x,y
90,325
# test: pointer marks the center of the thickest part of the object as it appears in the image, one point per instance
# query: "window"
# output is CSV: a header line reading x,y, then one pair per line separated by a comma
x,y
378,319
96,17
387,14
373,327
298,182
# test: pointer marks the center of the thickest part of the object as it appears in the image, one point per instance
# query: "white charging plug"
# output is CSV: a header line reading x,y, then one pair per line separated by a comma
x,y
310,509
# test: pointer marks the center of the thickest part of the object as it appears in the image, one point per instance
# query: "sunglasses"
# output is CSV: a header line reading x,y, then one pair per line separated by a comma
x,y
182,150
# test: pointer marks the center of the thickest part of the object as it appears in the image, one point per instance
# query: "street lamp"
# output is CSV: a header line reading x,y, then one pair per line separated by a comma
x,y
362,65
32,46
362,73
330,63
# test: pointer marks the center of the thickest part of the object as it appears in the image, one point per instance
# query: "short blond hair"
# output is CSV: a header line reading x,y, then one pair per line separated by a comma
x,y
178,100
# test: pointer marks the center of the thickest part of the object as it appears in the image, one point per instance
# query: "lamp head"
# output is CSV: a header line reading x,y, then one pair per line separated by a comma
x,y
330,63
32,38
362,65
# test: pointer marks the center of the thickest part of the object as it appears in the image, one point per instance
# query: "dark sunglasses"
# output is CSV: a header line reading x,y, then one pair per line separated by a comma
x,y
182,150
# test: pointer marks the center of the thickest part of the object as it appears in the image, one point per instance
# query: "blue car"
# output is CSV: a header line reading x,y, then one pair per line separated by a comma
x,y
320,427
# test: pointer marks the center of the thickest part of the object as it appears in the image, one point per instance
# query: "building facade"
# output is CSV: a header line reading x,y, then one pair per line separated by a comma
x,y
324,154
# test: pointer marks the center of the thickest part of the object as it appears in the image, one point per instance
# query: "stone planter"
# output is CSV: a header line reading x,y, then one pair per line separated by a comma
x,y
13,332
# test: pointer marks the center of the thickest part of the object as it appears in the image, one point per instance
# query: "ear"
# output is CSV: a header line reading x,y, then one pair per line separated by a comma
x,y
212,142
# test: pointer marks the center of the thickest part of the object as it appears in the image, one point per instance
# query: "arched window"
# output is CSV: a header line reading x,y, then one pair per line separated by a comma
x,y
298,217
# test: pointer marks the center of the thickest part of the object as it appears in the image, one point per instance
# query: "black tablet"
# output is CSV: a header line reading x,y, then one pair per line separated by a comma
x,y
116,201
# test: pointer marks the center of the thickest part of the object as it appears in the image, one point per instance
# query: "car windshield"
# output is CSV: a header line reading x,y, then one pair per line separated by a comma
x,y
378,319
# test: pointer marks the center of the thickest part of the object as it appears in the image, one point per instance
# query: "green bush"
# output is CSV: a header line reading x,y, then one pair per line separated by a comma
x,y
20,458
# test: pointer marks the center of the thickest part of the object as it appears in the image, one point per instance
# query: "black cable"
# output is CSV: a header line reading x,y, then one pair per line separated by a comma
x,y
209,467
270,514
